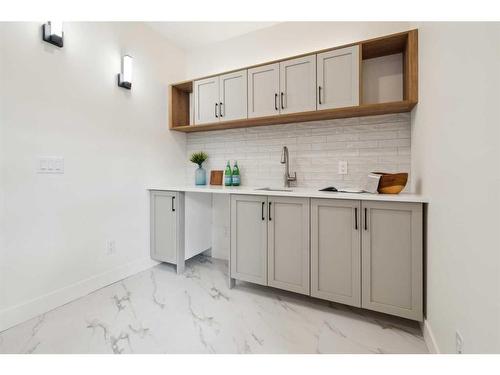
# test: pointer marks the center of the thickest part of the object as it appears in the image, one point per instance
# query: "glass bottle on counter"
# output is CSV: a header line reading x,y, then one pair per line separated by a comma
x,y
228,175
236,175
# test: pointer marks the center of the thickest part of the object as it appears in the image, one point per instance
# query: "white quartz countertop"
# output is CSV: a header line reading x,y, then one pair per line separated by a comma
x,y
295,192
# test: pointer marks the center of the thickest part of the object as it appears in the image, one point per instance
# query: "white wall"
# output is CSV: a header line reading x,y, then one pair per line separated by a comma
x,y
282,40
65,102
456,158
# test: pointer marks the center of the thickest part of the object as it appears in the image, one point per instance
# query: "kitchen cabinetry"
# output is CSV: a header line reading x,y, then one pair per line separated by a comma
x,y
270,241
363,253
320,85
288,243
338,78
206,100
167,227
285,87
249,238
233,96
298,85
392,266
263,90
221,98
336,250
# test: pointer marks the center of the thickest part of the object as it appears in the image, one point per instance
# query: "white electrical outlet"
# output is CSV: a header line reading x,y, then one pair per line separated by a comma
x,y
342,167
459,343
50,164
110,247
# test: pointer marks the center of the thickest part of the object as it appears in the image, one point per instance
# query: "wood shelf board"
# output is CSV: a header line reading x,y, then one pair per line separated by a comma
x,y
327,114
186,86
384,46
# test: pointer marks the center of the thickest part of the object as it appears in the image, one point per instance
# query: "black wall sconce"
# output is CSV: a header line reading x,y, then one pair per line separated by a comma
x,y
125,77
52,32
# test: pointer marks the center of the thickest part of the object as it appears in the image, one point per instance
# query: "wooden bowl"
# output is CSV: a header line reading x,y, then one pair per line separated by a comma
x,y
391,183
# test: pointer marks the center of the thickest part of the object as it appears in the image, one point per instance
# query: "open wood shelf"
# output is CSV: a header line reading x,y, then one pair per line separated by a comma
x,y
326,114
405,43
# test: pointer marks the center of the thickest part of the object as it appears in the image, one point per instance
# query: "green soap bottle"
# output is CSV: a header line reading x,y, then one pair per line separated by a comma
x,y
228,175
236,174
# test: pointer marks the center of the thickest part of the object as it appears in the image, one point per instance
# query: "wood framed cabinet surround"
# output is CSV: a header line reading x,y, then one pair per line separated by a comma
x,y
321,85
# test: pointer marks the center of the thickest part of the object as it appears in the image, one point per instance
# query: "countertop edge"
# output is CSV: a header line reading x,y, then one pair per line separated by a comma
x,y
297,192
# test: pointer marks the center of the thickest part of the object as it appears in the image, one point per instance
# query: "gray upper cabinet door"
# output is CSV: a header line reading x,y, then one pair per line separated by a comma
x,y
298,85
392,258
249,238
206,100
164,226
233,96
338,78
263,90
336,250
288,243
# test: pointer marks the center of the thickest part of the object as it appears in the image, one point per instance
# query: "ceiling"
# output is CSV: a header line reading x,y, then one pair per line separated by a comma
x,y
191,35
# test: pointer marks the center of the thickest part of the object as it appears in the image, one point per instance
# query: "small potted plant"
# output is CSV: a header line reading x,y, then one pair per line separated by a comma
x,y
200,175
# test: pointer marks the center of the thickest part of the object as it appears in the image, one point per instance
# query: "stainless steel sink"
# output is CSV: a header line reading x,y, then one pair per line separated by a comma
x,y
274,189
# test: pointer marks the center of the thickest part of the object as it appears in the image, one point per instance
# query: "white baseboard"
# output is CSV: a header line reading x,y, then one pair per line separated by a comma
x,y
429,338
30,309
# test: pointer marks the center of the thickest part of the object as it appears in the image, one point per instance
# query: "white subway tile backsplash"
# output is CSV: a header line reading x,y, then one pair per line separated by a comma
x,y
400,142
376,143
378,151
404,150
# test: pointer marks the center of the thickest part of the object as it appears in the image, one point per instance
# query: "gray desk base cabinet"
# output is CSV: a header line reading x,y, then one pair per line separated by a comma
x,y
167,227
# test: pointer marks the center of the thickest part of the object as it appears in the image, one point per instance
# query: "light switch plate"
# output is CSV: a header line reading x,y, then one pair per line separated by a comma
x,y
342,167
50,165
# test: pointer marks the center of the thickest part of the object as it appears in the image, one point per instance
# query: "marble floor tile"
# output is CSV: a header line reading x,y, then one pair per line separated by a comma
x,y
157,311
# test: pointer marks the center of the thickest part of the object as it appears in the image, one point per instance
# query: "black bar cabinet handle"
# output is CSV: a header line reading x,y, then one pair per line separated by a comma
x,y
366,218
216,115
173,204
263,204
220,109
319,94
356,218
276,101
282,106
269,213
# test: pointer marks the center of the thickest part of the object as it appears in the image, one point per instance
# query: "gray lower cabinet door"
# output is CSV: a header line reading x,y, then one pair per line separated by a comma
x,y
249,238
392,258
336,250
164,226
288,244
